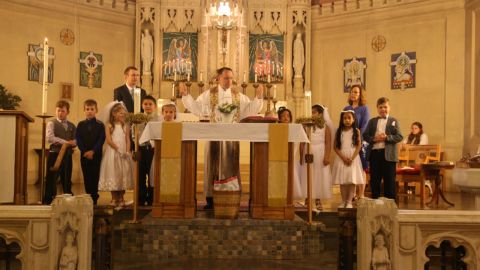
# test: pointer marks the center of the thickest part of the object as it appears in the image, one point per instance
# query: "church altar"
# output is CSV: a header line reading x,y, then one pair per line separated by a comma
x,y
253,132
174,192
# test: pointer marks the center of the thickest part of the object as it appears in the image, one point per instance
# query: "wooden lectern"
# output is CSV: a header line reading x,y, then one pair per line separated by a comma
x,y
14,145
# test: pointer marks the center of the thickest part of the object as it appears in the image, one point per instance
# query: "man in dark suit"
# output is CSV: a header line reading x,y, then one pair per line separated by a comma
x,y
383,133
125,92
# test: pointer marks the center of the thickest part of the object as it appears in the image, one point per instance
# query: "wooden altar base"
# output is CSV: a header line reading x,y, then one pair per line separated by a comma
x,y
205,238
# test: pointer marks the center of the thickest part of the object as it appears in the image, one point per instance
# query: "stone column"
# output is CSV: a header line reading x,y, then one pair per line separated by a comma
x,y
148,57
377,234
299,23
71,232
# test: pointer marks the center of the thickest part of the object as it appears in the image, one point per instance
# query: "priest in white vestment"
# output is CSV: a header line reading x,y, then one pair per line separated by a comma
x,y
221,158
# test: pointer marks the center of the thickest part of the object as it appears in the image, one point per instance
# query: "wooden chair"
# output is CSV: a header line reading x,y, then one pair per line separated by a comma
x,y
408,171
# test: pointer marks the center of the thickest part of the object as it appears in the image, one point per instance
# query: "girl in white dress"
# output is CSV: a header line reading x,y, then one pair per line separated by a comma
x,y
116,174
347,168
320,147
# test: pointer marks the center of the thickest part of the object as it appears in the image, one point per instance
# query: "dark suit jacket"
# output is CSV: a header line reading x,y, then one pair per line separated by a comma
x,y
123,94
394,136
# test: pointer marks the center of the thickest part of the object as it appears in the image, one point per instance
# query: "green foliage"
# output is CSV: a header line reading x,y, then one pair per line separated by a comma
x,y
8,101
227,107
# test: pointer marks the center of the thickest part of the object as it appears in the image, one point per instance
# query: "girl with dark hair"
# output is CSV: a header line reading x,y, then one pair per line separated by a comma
x,y
358,103
347,168
320,146
284,115
416,136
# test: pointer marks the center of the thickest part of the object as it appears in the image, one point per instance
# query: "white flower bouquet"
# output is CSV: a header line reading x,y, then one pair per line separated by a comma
x,y
227,108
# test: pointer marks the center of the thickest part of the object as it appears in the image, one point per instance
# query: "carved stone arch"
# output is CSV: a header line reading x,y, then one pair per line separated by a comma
x,y
11,237
456,240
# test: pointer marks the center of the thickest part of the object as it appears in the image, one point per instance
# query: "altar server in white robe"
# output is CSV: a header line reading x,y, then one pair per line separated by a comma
x,y
221,158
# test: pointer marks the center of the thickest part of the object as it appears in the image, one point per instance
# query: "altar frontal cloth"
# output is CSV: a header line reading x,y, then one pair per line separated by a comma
x,y
277,165
171,162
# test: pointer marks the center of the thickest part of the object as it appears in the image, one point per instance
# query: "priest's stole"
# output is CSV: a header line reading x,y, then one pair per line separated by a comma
x,y
171,162
277,165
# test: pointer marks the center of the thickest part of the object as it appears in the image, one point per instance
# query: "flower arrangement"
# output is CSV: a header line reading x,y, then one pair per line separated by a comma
x,y
317,121
137,118
227,107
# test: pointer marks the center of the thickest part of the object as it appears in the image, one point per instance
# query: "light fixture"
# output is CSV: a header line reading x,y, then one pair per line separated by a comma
x,y
224,15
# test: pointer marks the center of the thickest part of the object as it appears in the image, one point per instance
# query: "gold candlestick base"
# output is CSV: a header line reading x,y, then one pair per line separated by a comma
x,y
244,87
44,117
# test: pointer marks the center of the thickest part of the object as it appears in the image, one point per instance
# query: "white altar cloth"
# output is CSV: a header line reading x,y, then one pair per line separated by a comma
x,y
253,132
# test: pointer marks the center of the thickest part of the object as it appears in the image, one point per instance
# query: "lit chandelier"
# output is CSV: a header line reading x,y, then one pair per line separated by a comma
x,y
222,16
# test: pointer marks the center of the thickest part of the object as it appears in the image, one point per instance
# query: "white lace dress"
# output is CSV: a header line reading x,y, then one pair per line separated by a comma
x,y
321,175
343,174
116,172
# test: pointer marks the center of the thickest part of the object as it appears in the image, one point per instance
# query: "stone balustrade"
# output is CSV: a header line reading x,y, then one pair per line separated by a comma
x,y
51,235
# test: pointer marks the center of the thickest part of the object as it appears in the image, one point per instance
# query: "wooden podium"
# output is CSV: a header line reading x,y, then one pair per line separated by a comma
x,y
14,145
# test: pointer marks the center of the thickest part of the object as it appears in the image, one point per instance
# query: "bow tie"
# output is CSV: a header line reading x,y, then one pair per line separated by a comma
x,y
380,117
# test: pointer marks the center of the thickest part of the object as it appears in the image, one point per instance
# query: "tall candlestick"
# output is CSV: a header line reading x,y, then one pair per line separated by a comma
x,y
308,105
174,75
274,91
188,76
268,78
136,99
173,90
201,76
45,76
244,76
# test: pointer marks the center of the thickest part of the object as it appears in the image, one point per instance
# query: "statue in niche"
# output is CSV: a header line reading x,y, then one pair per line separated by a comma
x,y
147,50
69,255
380,257
298,56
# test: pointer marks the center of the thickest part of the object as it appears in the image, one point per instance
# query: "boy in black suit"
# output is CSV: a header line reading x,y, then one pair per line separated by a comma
x,y
382,134
124,93
90,138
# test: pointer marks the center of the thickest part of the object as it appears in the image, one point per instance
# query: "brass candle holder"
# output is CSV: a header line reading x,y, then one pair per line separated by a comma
x,y
200,87
44,118
136,120
175,92
268,97
274,100
188,84
244,87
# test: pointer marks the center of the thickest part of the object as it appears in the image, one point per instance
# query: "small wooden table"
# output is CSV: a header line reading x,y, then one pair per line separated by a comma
x,y
435,171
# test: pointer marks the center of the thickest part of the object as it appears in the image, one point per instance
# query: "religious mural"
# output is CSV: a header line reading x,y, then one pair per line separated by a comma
x,y
90,69
354,73
35,63
180,53
266,58
403,70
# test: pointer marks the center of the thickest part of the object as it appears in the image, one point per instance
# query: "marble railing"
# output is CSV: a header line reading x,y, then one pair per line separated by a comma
x,y
50,236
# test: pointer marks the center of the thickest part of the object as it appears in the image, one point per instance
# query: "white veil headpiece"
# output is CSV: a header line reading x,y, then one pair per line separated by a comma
x,y
170,104
104,115
328,120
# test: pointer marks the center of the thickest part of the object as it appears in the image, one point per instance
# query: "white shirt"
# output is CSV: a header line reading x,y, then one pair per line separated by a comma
x,y
381,127
247,107
130,89
50,134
